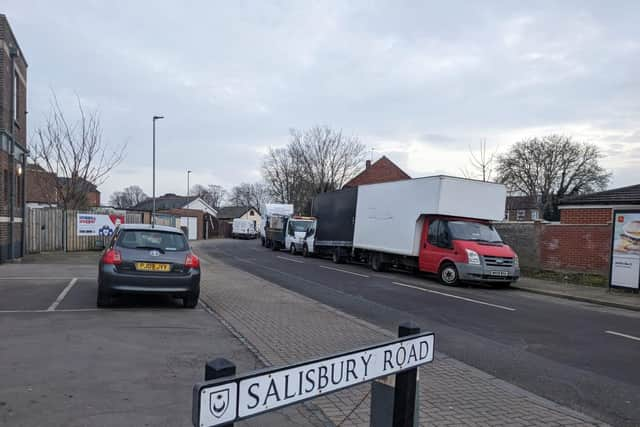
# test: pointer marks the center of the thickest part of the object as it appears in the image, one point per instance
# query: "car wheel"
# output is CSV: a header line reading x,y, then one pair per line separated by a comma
x,y
448,274
104,299
190,301
377,264
305,251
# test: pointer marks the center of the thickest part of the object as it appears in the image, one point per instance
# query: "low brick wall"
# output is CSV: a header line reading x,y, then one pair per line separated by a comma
x,y
523,238
584,248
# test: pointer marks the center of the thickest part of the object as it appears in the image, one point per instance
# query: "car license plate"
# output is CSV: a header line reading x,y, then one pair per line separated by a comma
x,y
152,266
500,273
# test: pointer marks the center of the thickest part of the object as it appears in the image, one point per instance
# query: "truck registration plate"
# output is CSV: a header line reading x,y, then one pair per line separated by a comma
x,y
500,273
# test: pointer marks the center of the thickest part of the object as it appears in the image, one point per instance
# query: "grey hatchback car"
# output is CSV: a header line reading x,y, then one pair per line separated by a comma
x,y
145,259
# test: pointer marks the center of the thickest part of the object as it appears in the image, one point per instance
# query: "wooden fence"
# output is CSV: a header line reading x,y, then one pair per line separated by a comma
x,y
54,229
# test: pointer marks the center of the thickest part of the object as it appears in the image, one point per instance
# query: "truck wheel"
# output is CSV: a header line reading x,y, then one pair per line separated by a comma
x,y
448,274
377,264
305,251
337,257
275,246
292,249
262,241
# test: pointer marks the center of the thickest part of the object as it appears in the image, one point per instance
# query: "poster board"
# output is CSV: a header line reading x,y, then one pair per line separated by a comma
x,y
625,250
97,224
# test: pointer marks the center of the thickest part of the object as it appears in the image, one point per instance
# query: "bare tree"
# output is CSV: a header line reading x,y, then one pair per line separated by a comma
x,y
212,194
317,160
75,152
246,194
482,163
128,197
550,168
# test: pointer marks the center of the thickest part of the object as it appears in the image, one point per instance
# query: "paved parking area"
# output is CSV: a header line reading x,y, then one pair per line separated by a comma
x,y
66,363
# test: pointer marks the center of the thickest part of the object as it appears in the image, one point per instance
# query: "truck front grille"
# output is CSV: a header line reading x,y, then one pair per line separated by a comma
x,y
496,261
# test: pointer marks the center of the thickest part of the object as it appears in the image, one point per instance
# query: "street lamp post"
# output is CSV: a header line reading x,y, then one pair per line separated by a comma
x,y
188,191
153,209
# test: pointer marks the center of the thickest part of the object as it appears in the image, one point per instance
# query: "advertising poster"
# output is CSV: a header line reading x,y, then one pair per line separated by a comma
x,y
98,224
625,256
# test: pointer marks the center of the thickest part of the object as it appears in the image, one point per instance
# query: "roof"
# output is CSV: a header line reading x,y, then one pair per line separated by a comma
x,y
168,201
521,202
229,212
618,196
81,184
382,170
148,227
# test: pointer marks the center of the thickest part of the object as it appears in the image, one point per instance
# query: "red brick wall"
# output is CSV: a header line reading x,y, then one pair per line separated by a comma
x,y
584,248
189,212
586,216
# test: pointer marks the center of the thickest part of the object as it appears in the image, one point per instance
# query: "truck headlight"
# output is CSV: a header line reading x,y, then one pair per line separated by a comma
x,y
473,257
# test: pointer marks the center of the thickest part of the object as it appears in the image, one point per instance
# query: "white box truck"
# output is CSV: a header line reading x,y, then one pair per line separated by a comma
x,y
439,224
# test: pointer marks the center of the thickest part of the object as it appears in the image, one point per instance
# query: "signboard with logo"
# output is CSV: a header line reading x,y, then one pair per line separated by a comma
x,y
625,250
227,400
97,224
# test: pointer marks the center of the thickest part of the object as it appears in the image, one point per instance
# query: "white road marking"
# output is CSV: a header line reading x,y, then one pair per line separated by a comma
x,y
64,310
502,307
631,337
63,294
290,259
343,271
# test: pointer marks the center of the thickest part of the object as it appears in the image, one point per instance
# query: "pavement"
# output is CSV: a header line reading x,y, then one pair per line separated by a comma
x,y
593,294
63,362
283,326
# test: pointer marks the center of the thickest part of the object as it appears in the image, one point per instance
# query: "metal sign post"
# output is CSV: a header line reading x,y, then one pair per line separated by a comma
x,y
229,399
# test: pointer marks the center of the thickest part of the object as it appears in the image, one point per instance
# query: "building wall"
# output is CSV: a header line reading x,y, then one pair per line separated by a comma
x,y
191,213
383,170
255,217
586,216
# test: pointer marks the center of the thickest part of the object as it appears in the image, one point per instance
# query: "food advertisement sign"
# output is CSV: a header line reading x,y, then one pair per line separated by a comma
x,y
98,224
625,254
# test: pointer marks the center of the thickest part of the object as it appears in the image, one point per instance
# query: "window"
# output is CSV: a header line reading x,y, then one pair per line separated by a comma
x,y
434,231
438,234
476,231
147,239
534,214
15,96
520,214
251,213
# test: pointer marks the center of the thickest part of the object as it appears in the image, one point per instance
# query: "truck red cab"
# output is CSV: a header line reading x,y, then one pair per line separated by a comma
x,y
465,249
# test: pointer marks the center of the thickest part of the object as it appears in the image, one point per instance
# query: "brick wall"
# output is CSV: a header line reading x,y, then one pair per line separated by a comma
x,y
192,213
383,170
583,248
523,238
6,85
586,216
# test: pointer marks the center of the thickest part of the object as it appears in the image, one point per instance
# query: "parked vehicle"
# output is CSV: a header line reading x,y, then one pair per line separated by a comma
x,y
440,225
269,209
243,229
298,229
145,259
276,231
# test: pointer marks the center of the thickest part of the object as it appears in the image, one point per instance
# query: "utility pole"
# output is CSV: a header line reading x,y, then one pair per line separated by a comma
x,y
153,209
188,187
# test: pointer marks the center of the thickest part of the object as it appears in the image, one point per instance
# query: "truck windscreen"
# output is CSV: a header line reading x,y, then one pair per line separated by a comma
x,y
467,230
296,226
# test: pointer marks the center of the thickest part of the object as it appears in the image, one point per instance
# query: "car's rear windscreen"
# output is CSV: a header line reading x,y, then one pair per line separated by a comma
x,y
148,239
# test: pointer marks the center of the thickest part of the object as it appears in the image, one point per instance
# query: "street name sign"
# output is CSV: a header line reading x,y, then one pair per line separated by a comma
x,y
230,399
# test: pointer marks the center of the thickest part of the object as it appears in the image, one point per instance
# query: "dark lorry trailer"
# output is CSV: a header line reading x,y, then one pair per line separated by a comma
x,y
335,214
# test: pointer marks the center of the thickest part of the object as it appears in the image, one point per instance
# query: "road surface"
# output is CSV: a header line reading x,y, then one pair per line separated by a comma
x,y
580,355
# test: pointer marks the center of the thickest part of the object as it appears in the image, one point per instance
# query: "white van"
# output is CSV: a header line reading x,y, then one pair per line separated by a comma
x,y
243,229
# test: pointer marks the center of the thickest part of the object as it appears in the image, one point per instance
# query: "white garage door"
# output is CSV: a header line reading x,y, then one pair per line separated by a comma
x,y
192,224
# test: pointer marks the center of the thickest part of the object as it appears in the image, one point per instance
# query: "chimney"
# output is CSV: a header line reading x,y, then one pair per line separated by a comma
x,y
367,165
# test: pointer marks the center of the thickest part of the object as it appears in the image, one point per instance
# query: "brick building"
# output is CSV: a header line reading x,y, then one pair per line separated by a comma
x,y
196,217
382,170
43,188
522,208
13,143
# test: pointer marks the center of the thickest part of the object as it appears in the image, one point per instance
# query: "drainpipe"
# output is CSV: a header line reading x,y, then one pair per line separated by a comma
x,y
13,52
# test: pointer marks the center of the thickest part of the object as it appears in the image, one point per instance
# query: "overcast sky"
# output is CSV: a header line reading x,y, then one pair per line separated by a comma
x,y
417,81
